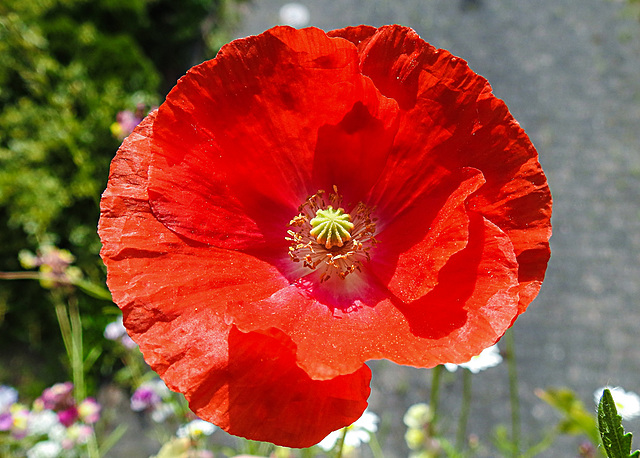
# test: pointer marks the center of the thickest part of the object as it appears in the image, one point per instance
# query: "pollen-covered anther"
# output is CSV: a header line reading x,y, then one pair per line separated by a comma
x,y
323,236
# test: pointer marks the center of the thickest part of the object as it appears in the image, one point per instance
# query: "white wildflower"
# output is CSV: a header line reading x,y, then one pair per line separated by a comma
x,y
45,449
294,14
358,432
627,402
195,429
489,357
8,397
42,422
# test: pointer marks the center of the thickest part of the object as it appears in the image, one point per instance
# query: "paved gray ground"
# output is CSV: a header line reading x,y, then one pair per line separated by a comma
x,y
568,70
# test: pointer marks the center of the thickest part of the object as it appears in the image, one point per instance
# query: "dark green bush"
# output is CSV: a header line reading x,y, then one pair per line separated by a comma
x,y
67,67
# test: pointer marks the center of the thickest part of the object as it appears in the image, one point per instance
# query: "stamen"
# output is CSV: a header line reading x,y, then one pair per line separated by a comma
x,y
331,240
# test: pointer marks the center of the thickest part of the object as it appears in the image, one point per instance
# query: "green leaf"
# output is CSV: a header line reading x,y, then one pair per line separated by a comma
x,y
616,443
576,418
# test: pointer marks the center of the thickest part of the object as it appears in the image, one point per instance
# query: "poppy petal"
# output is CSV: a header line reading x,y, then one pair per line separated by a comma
x,y
177,320
458,114
247,383
139,251
292,409
245,134
470,308
425,241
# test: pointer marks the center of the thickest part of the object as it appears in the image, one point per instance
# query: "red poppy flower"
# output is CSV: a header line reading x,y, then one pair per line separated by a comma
x,y
308,201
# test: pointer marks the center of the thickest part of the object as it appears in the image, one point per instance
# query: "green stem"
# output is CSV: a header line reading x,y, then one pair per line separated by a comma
x,y
92,446
374,445
513,392
77,362
435,398
88,287
71,329
65,326
132,362
341,443
464,410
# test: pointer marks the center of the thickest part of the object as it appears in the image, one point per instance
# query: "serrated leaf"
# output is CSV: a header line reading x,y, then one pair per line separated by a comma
x,y
616,443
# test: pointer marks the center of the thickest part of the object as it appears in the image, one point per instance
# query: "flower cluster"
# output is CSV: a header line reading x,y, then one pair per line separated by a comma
x,y
54,265
54,426
308,201
418,419
154,398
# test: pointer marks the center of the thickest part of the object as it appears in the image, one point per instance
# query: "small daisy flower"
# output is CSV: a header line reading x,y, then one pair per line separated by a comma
x,y
358,432
162,411
489,357
19,420
40,423
45,449
627,402
196,429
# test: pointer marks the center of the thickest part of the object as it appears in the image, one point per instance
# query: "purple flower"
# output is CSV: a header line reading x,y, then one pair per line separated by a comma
x,y
54,265
144,398
6,421
126,121
116,331
57,397
68,416
149,398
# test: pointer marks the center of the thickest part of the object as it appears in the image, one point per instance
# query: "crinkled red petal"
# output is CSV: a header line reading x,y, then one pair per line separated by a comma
x,y
461,124
173,293
244,139
412,251
292,409
472,305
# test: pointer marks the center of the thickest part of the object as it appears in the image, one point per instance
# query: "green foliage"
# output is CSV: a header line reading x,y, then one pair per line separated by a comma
x,y
67,67
616,443
55,149
576,419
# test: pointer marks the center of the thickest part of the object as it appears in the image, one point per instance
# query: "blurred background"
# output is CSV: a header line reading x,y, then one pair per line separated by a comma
x,y
76,75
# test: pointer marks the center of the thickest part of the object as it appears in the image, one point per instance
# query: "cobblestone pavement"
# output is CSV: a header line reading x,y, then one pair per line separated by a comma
x,y
568,71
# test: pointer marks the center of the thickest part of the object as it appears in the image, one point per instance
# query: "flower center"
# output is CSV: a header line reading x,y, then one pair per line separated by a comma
x,y
323,236
331,227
